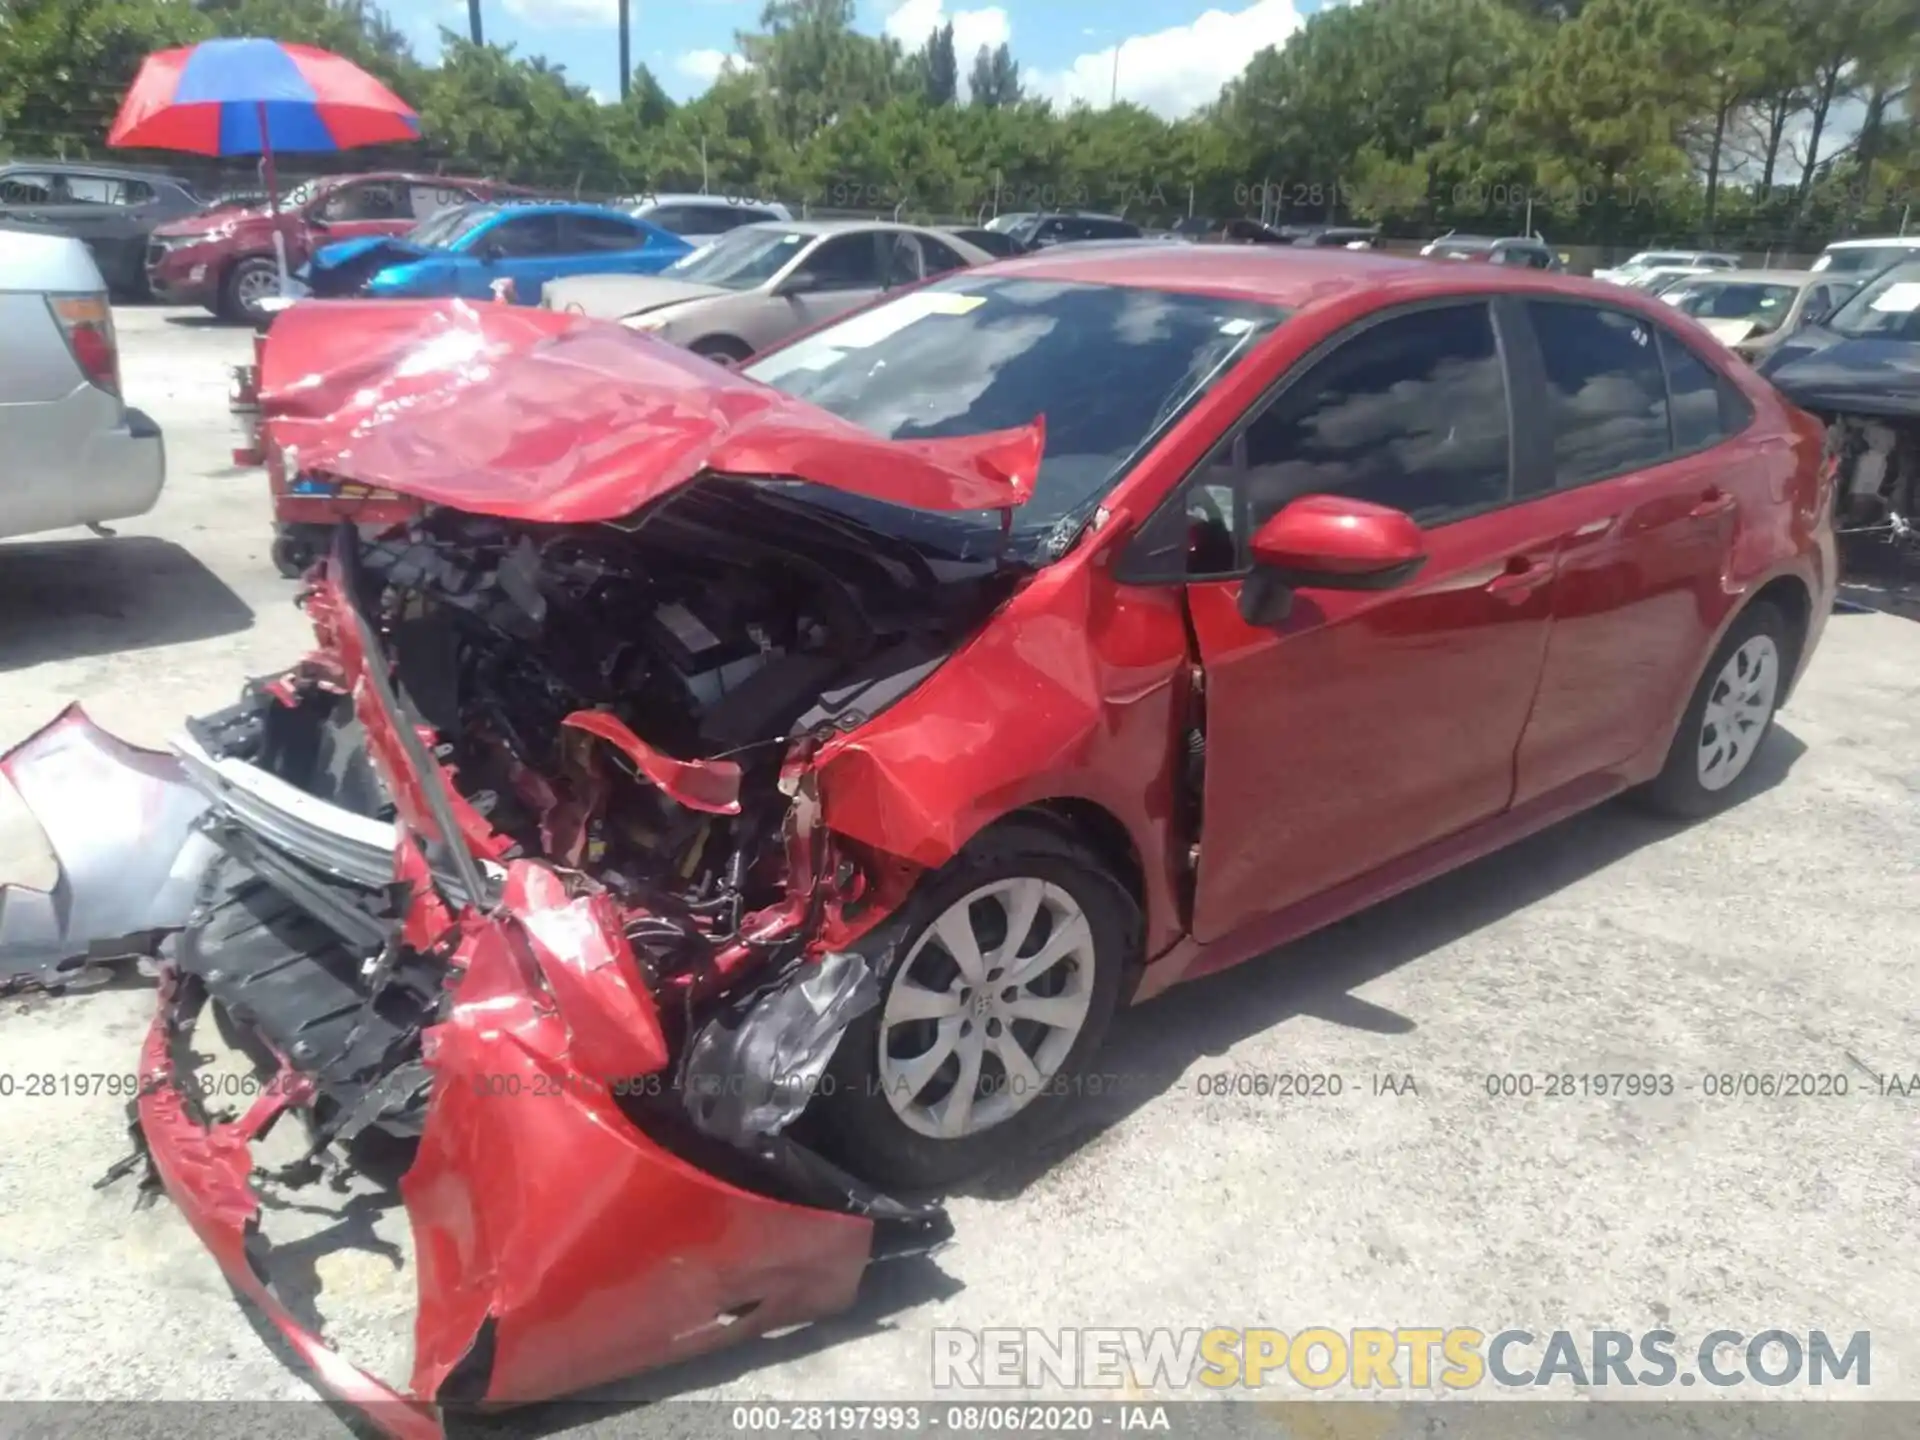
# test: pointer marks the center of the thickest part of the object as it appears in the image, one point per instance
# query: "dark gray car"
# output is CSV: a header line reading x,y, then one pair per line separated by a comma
x,y
112,209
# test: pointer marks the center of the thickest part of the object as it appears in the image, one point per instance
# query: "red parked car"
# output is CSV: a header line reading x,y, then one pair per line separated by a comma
x,y
224,259
736,802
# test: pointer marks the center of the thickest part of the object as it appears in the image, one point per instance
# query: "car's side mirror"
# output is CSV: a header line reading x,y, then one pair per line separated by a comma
x,y
492,250
798,283
1328,542
1814,315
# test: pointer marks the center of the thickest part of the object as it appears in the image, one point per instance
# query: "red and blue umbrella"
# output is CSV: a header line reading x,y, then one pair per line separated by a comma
x,y
255,97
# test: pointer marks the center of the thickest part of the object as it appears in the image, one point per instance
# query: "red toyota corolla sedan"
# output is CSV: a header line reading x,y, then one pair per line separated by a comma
x,y
737,801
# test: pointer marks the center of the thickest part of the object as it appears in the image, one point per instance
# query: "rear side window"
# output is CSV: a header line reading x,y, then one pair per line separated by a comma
x,y
601,232
1706,407
1606,390
1411,412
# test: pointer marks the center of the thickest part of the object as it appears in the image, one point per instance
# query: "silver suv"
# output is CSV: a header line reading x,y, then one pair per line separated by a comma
x,y
71,451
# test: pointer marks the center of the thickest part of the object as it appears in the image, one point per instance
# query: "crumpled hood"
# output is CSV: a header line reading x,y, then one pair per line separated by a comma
x,y
1822,371
539,415
340,252
1729,332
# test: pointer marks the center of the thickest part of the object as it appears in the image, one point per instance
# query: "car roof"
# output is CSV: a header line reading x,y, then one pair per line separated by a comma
x,y
558,207
1290,276
1911,242
94,167
1772,277
35,260
737,202
837,227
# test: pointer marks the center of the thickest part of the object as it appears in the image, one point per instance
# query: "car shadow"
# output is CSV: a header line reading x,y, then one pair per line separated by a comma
x,y
203,322
1154,1045
62,599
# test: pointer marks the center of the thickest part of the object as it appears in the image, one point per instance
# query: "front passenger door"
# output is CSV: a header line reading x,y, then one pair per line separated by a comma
x,y
846,271
1364,724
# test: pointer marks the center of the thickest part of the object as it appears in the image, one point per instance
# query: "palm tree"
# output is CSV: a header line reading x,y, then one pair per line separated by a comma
x,y
473,21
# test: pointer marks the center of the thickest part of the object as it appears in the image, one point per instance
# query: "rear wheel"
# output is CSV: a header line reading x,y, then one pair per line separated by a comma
x,y
294,551
999,978
1727,719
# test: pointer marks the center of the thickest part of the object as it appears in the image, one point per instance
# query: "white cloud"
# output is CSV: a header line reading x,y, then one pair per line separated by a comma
x,y
914,20
705,65
577,13
1175,71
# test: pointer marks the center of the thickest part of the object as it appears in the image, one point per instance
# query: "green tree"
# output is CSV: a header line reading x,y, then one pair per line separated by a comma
x,y
995,79
939,73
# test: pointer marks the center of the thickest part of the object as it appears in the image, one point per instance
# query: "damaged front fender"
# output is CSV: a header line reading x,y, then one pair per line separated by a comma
x,y
120,821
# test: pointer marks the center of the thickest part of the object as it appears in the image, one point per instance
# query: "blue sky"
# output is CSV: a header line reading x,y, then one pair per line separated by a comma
x,y
1173,54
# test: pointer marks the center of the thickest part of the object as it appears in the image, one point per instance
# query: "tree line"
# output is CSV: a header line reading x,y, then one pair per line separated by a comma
x,y
1744,123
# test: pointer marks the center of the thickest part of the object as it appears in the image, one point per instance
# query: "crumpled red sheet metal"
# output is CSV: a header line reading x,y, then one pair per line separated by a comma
x,y
709,785
538,1209
539,415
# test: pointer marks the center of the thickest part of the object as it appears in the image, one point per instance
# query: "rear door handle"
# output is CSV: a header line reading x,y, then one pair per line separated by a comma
x,y
1715,502
1521,577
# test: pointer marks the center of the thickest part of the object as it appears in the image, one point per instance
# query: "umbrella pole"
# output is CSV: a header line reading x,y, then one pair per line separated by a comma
x,y
273,197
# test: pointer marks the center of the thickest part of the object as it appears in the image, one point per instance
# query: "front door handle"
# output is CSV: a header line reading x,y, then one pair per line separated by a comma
x,y
1521,577
1715,502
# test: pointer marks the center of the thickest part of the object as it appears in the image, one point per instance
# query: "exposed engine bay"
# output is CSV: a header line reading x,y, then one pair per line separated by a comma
x,y
1878,492
619,701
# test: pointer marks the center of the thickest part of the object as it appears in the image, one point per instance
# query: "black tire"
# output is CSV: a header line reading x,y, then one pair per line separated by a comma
x,y
293,553
1678,789
722,349
852,1120
232,307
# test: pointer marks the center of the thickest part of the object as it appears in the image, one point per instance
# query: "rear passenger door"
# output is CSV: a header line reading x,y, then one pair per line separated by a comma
x,y
1631,441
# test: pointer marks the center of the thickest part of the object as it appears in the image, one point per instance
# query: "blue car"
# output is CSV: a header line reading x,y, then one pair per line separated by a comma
x,y
463,251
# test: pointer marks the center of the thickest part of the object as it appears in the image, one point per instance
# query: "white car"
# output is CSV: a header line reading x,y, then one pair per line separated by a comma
x,y
1868,257
1637,265
71,451
702,217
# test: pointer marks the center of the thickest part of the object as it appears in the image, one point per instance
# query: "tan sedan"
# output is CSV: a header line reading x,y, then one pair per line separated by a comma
x,y
762,283
1751,311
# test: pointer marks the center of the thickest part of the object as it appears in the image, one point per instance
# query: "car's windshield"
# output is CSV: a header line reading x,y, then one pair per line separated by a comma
x,y
446,226
1765,305
741,259
1888,309
1106,367
1864,259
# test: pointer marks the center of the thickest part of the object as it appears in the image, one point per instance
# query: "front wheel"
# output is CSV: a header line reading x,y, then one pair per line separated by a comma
x,y
247,284
999,977
1728,717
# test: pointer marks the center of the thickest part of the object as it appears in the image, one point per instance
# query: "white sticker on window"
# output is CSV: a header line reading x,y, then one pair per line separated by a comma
x,y
1236,327
890,320
1901,299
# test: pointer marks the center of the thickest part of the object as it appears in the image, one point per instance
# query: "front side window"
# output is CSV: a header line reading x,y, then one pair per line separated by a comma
x,y
374,200
1108,368
1606,390
537,233
1411,413
850,262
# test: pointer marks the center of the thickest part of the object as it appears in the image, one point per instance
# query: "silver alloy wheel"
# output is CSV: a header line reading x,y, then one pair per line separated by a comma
x,y
1737,710
255,285
985,1008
